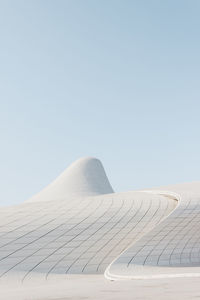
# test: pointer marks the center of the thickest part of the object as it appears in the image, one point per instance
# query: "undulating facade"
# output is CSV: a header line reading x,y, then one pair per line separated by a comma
x,y
79,225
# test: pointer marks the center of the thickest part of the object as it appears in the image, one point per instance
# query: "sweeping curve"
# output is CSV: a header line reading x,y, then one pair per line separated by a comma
x,y
79,225
85,177
171,249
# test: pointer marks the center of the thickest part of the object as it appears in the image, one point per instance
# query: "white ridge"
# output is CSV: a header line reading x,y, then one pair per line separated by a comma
x,y
85,177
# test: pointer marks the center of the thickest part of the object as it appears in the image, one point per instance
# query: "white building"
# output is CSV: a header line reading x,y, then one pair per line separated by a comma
x,y
78,225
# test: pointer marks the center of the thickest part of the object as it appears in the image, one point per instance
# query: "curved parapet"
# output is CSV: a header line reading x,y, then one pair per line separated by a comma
x,y
171,249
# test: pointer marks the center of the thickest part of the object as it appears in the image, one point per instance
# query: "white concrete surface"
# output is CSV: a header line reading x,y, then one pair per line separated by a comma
x,y
96,287
171,249
78,225
85,177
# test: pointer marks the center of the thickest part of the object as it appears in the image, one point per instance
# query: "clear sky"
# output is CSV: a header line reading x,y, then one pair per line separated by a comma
x,y
118,80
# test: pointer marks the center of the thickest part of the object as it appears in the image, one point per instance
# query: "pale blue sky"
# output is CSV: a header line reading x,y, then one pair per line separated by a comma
x,y
118,80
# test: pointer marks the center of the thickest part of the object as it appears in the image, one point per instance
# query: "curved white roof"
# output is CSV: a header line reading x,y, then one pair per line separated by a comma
x,y
85,177
139,234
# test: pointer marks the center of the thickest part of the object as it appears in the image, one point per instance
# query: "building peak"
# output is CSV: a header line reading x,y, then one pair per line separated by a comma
x,y
85,177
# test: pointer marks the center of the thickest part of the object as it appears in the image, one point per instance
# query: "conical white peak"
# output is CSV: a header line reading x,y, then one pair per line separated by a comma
x,y
85,177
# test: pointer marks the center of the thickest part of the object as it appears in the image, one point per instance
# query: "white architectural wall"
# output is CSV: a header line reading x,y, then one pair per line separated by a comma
x,y
172,248
78,225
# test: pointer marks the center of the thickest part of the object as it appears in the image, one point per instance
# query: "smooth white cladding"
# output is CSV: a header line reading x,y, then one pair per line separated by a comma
x,y
172,248
85,177
78,225
81,236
